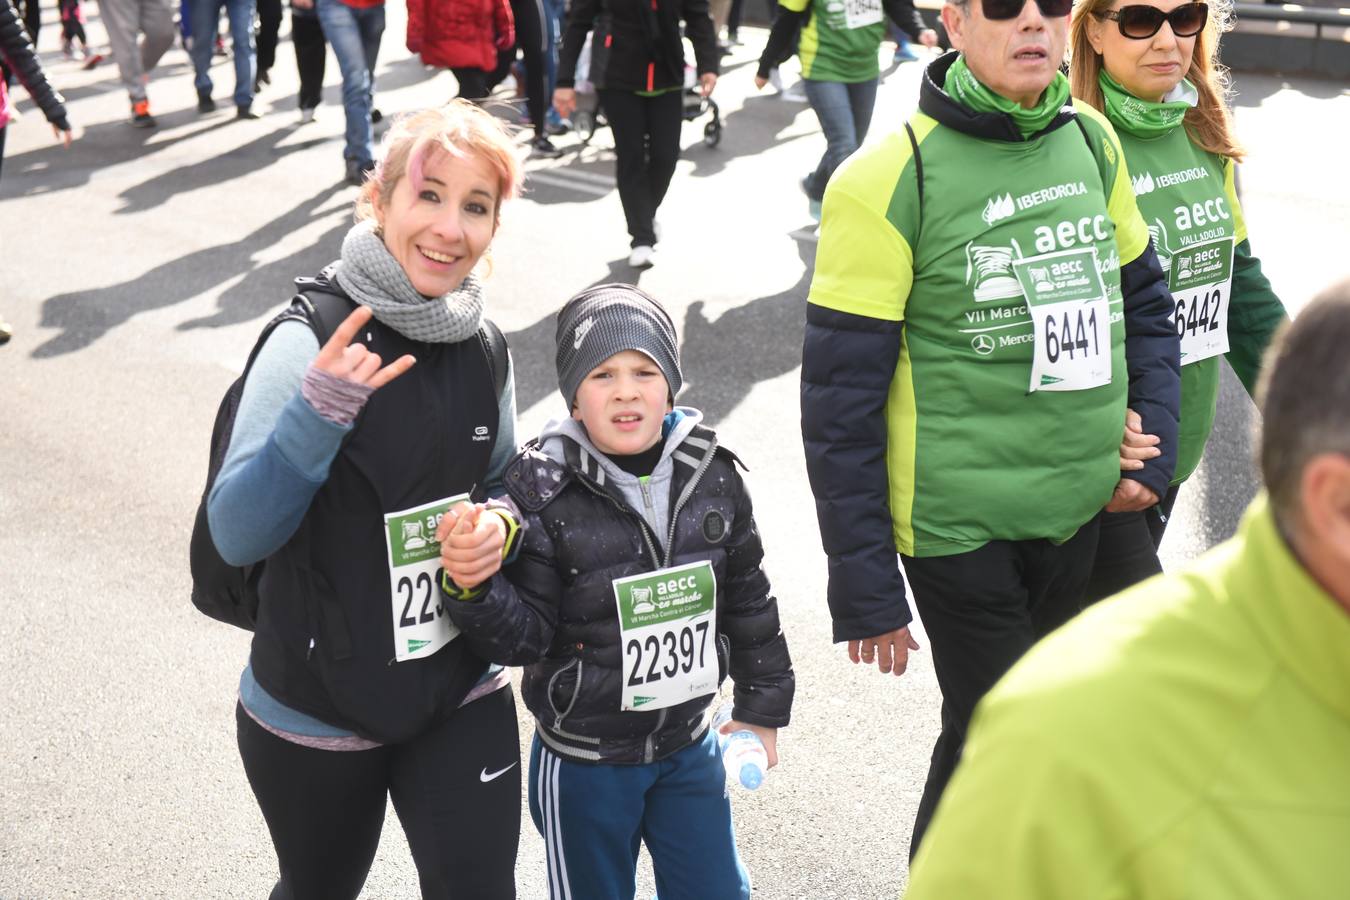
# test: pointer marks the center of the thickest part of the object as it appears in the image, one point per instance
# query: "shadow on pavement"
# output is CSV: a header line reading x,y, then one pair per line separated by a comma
x,y
533,349
236,162
722,360
756,341
765,117
86,316
53,168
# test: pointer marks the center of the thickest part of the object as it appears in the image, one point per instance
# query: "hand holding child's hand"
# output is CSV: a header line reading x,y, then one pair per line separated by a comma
x,y
471,544
768,735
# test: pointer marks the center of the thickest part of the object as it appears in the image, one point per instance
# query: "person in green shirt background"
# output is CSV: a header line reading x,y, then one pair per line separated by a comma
x,y
1189,737
1153,69
838,52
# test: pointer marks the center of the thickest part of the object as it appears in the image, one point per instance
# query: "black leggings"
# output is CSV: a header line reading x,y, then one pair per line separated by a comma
x,y
473,83
325,809
1127,552
71,29
532,42
270,15
647,144
32,19
311,52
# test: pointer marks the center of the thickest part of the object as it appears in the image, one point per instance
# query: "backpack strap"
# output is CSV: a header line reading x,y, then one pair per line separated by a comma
x,y
1096,156
494,345
324,308
918,173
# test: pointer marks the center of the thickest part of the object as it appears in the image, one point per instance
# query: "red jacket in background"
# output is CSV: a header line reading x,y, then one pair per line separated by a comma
x,y
460,34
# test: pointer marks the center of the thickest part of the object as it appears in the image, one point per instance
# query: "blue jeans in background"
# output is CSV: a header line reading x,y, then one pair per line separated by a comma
x,y
845,112
205,17
354,34
555,13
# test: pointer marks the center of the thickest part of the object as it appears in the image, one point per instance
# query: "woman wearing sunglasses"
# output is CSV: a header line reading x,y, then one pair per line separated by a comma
x,y
1153,69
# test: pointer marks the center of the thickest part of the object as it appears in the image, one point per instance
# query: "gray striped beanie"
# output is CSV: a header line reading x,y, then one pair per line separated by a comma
x,y
608,319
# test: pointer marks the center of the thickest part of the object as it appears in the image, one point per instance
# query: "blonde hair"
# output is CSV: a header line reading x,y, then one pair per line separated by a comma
x,y
460,129
1209,124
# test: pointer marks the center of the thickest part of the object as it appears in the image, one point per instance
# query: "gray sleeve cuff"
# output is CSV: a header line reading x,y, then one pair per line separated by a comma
x,y
336,399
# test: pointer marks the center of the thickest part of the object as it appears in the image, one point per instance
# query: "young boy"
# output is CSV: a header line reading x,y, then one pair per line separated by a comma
x,y
635,589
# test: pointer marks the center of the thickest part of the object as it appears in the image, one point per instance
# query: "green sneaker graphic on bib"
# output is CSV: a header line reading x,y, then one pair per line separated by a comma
x,y
667,627
421,625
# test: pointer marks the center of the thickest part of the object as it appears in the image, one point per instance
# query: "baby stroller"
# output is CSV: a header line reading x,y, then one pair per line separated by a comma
x,y
588,116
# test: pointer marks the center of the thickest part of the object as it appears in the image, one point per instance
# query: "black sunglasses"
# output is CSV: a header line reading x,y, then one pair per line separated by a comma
x,y
1143,22
1011,9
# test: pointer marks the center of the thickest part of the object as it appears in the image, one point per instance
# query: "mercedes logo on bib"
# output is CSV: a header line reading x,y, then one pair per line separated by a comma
x,y
982,344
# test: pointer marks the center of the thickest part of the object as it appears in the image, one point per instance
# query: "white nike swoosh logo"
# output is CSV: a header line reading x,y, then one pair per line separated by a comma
x,y
486,776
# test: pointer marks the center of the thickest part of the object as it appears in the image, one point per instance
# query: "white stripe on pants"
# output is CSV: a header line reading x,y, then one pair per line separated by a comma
x,y
558,888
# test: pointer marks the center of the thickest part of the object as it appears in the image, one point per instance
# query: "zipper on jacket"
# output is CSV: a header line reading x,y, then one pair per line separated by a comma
x,y
631,513
686,494
649,748
647,504
558,716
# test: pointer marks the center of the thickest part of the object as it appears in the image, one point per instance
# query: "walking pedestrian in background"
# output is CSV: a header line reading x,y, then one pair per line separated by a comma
x,y
311,56
17,56
354,29
205,23
837,47
139,31
637,65
464,36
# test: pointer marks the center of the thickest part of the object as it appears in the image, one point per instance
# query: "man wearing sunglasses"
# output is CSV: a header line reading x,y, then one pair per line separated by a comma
x,y
986,301
1189,737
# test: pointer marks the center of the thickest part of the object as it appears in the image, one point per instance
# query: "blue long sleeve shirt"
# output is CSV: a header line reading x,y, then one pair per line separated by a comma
x,y
281,450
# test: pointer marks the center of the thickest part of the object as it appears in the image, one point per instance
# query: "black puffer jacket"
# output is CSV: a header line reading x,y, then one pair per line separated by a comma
x,y
17,53
553,611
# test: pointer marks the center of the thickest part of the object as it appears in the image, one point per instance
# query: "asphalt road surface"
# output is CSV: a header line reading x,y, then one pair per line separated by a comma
x,y
137,267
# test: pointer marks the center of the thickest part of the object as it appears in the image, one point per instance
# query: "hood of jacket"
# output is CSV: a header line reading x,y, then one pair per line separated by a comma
x,y
650,497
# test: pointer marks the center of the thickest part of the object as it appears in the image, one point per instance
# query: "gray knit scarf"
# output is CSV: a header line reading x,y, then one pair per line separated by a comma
x,y
371,276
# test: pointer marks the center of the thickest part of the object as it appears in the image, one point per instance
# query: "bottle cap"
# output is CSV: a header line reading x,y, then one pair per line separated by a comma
x,y
751,776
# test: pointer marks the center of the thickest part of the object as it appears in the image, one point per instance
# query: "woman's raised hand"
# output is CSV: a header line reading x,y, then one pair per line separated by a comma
x,y
353,362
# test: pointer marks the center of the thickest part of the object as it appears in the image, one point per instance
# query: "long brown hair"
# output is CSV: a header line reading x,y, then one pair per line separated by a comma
x,y
1209,124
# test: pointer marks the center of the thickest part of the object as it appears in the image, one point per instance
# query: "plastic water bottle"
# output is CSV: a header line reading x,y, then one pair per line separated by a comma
x,y
743,752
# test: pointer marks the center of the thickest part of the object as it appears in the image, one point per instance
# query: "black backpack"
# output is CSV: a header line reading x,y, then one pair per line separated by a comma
x,y
230,593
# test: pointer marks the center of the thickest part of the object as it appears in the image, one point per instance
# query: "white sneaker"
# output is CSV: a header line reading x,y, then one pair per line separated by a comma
x,y
776,80
306,115
642,257
794,94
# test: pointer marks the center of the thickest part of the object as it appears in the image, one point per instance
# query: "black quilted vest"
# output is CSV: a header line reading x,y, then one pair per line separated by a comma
x,y
324,640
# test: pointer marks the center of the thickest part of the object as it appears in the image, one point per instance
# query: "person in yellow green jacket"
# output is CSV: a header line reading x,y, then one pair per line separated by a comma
x,y
1188,738
1152,68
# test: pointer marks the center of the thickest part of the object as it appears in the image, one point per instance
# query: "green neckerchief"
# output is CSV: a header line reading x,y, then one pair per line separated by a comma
x,y
966,89
1144,118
